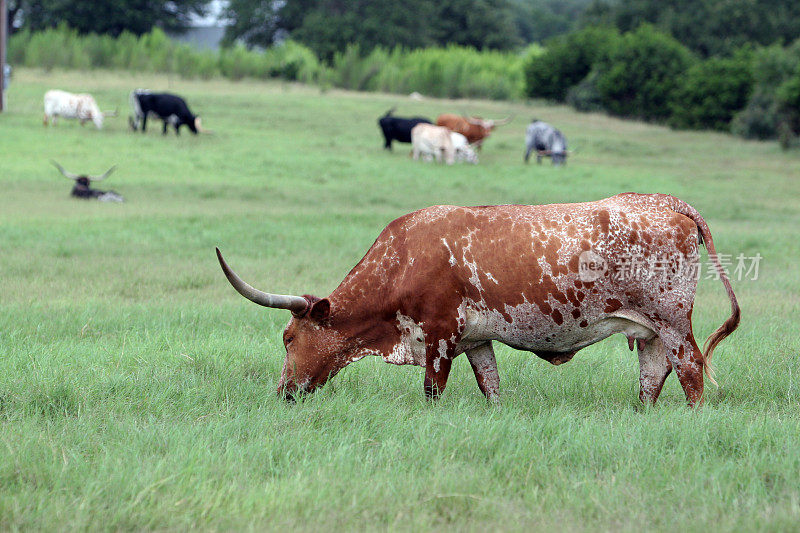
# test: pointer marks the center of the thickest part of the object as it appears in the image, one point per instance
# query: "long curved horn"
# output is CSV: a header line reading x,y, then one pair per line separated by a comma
x,y
295,304
106,174
475,121
503,121
69,175
199,126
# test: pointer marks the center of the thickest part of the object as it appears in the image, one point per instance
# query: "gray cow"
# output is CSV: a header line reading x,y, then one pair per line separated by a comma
x,y
547,141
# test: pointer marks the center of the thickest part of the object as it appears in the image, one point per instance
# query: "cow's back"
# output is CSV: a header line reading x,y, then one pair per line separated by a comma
x,y
454,123
519,267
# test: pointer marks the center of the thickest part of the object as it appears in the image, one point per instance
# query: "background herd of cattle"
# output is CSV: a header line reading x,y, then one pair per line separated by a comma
x,y
453,137
456,138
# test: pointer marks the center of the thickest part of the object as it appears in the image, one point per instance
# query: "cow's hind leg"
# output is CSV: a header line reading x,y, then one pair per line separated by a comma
x,y
687,360
654,367
484,365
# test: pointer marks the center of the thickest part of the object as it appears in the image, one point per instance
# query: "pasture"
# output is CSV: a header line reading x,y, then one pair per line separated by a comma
x,y
137,389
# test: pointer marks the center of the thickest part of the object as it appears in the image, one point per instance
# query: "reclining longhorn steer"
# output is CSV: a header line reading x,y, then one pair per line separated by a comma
x,y
83,185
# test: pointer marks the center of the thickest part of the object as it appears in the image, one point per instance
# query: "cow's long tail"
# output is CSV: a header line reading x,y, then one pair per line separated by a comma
x,y
679,206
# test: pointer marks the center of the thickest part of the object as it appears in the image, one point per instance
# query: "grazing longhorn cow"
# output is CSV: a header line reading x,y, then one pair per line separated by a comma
x,y
428,141
80,106
83,185
475,129
464,151
170,108
397,128
448,280
547,141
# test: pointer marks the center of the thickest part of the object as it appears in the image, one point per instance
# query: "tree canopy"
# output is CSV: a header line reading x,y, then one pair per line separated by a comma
x,y
328,26
105,16
707,27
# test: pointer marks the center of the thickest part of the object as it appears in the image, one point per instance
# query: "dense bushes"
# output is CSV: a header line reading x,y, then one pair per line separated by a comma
x,y
711,92
155,52
566,61
448,72
454,72
771,112
630,75
647,74
639,75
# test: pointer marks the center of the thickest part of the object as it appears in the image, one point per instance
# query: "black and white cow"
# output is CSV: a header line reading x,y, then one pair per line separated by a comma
x,y
83,186
170,108
397,128
547,141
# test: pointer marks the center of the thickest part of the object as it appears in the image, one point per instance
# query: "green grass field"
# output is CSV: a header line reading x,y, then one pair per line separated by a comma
x,y
137,389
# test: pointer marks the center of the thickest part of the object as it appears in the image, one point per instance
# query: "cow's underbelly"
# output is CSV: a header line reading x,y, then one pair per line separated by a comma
x,y
535,333
554,343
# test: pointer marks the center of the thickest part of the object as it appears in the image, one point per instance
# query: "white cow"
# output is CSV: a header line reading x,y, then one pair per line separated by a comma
x,y
68,105
464,151
428,140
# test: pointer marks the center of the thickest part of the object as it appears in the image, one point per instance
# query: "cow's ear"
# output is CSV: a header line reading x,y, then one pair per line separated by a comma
x,y
320,310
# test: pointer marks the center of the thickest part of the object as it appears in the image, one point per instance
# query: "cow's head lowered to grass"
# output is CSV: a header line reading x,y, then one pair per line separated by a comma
x,y
314,350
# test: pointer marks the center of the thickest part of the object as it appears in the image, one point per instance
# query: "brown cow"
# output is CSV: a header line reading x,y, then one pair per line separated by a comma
x,y
475,129
446,280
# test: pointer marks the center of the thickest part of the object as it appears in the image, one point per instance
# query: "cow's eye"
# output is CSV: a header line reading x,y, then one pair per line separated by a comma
x,y
288,339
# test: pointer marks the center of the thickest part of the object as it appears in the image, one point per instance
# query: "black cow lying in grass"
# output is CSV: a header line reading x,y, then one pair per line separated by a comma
x,y
83,186
397,128
170,108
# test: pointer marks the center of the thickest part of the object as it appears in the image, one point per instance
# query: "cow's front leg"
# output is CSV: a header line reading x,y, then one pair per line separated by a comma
x,y
438,360
484,365
164,132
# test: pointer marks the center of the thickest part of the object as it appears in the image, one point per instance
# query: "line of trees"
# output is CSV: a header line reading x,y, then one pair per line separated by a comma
x,y
107,17
648,74
326,26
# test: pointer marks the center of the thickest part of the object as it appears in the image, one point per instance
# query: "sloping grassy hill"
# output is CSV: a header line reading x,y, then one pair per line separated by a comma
x,y
137,389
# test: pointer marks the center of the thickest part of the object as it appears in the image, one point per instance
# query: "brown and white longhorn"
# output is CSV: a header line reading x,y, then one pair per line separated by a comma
x,y
475,129
448,280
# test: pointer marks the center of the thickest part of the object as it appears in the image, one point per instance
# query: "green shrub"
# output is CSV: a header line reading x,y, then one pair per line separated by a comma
x,y
293,61
759,119
237,62
711,92
453,72
769,113
638,77
584,96
51,49
789,99
566,61
18,45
